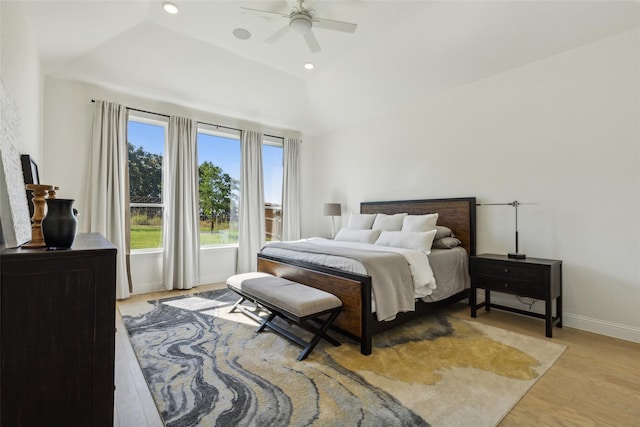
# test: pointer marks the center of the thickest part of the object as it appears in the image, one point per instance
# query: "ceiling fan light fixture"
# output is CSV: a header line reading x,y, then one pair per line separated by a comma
x,y
300,23
170,7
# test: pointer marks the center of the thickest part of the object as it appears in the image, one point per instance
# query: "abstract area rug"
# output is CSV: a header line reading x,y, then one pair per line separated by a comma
x,y
208,367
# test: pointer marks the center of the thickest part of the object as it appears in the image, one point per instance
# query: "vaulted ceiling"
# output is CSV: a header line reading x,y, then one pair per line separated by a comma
x,y
401,52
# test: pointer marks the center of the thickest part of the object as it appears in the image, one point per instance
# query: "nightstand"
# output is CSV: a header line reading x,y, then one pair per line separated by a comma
x,y
530,277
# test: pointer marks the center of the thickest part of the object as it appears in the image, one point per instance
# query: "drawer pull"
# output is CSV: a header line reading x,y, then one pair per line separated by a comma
x,y
506,285
506,270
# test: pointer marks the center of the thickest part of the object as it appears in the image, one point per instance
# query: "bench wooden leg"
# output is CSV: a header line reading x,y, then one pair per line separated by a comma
x,y
307,326
321,334
238,306
307,347
280,330
235,306
266,322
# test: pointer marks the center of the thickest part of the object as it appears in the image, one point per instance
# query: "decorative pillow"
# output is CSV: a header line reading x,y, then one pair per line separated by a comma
x,y
355,235
419,222
416,240
388,222
446,243
361,221
443,231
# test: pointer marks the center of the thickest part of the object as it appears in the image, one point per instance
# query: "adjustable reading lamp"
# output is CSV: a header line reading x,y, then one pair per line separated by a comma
x,y
515,204
332,210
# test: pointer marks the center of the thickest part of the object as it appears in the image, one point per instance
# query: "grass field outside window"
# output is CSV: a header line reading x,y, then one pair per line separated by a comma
x,y
150,237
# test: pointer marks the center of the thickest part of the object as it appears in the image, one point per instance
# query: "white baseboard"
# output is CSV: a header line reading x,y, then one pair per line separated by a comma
x,y
146,288
602,327
212,279
576,321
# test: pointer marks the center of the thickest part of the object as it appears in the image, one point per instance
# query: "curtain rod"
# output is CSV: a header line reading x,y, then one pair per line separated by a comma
x,y
202,123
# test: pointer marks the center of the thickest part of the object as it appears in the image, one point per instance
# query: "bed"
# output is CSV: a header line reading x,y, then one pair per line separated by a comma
x,y
358,319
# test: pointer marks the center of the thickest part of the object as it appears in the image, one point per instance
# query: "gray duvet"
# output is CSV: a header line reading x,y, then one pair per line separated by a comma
x,y
391,279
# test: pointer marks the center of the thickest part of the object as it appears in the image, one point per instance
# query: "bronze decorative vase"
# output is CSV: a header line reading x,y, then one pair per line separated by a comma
x,y
59,225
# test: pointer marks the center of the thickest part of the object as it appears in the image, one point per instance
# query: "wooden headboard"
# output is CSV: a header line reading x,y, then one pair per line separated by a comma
x,y
459,214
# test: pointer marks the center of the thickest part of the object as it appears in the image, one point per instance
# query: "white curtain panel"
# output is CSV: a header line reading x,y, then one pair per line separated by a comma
x,y
109,189
251,229
181,228
291,190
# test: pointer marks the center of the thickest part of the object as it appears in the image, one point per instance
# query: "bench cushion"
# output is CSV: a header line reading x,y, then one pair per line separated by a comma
x,y
236,280
291,297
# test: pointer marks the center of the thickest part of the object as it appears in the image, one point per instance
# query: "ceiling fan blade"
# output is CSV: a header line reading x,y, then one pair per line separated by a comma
x,y
264,13
278,34
312,42
329,24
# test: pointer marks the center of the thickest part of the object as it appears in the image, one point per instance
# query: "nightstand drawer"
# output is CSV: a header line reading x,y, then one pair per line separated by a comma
x,y
511,285
510,270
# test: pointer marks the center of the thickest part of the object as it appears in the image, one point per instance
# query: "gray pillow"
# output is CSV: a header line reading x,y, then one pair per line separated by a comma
x,y
443,231
446,243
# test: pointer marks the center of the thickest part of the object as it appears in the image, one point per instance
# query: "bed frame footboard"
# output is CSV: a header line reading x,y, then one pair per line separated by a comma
x,y
354,290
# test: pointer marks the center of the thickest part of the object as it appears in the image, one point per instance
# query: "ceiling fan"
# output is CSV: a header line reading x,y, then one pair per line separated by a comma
x,y
301,20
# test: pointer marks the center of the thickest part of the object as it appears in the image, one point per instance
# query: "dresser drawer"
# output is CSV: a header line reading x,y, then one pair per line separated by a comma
x,y
511,285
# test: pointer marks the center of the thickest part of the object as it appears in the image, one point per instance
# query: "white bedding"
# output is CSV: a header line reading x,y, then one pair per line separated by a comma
x,y
423,279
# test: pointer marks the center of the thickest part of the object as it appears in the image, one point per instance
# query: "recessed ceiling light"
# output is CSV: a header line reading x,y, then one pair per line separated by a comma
x,y
308,65
242,34
170,8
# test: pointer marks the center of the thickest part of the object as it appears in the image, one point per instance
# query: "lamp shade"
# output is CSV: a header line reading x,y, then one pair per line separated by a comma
x,y
332,209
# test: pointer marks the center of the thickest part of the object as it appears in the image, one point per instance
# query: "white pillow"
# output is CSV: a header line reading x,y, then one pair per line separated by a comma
x,y
420,222
355,235
388,222
416,240
361,221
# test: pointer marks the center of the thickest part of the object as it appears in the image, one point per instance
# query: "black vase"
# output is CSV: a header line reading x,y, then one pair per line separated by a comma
x,y
59,224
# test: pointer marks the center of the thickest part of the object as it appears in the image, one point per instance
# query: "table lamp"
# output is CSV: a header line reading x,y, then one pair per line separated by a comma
x,y
332,210
515,204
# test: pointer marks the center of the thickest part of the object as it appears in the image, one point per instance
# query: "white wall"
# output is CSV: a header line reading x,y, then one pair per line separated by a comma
x,y
68,127
562,132
152,61
216,265
20,71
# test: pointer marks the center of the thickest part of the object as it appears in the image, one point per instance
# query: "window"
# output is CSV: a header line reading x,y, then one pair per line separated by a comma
x,y
272,166
219,185
218,182
146,142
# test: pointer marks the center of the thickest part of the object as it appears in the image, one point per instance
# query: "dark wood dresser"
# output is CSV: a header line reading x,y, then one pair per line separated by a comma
x,y
536,278
57,335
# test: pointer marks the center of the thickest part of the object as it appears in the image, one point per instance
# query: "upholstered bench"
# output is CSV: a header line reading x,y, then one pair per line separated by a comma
x,y
291,301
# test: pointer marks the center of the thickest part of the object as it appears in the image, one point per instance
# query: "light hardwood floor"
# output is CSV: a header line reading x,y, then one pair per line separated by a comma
x,y
596,382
